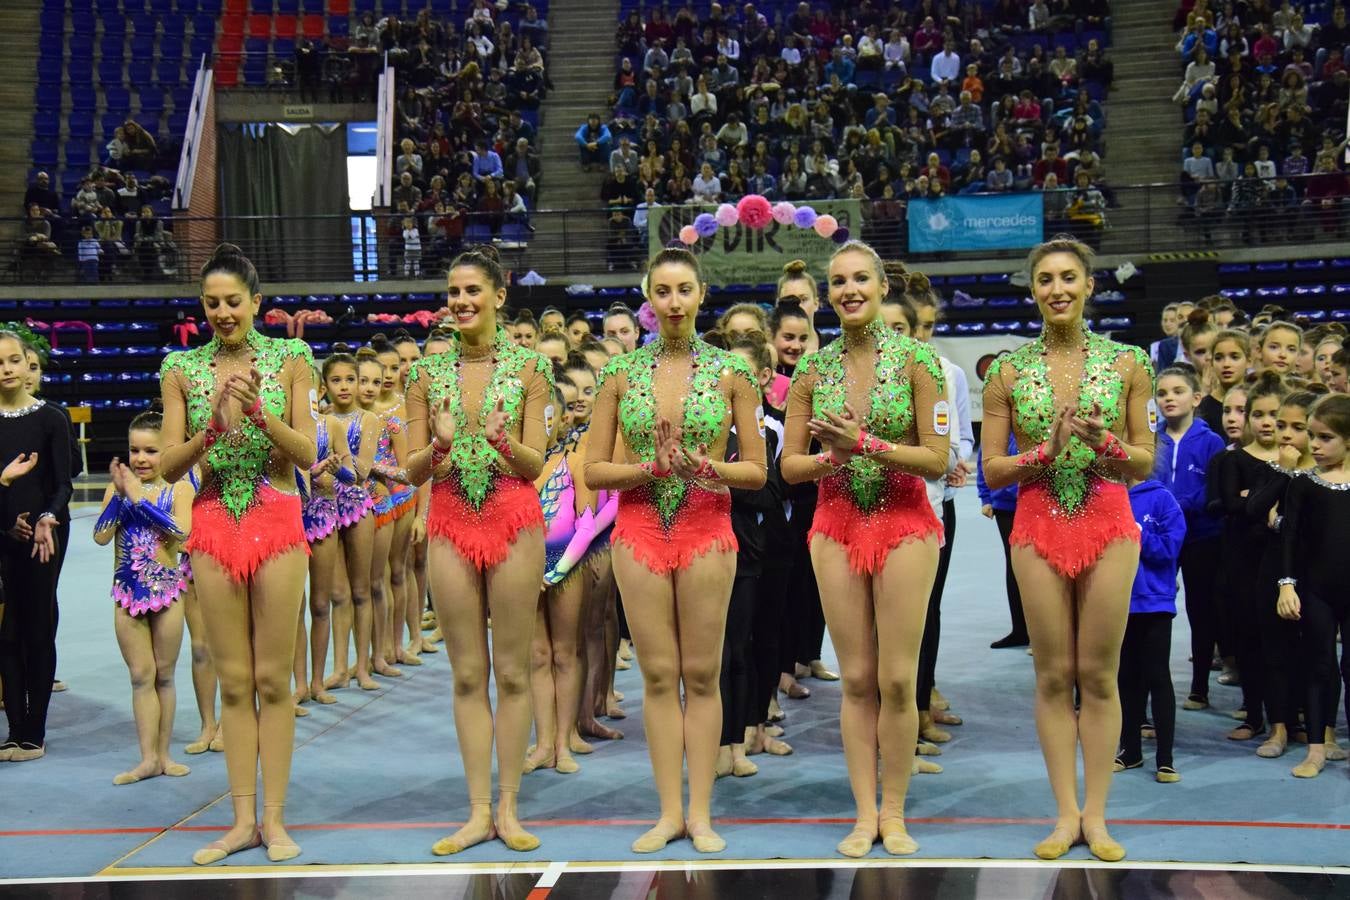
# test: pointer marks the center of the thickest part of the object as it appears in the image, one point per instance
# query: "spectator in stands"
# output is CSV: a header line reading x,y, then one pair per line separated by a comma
x,y
406,192
514,210
522,170
38,250
86,204
1295,164
624,157
621,248
116,149
409,161
733,133
999,179
151,243
534,29
946,66
1246,199
966,125
308,69
40,192
1038,16
594,141
1208,208
528,56
1086,210
620,191
491,208
88,252
703,103
707,186
1325,195
1196,169
130,197
1050,162
524,86
109,231
1298,34
141,146
761,182
1064,67
934,170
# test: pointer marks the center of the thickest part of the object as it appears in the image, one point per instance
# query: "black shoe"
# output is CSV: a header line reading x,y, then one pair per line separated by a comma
x,y
1010,640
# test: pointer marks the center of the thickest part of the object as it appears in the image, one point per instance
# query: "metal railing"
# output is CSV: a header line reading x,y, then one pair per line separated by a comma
x,y
581,242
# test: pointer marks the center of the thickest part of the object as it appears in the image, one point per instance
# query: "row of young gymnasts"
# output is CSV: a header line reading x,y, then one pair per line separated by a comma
x,y
869,417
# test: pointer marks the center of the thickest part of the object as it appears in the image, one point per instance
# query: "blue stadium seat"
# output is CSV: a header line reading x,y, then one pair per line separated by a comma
x,y
152,99
314,7
171,48
1277,266
81,45
144,24
182,98
110,71
80,71
174,26
45,153
111,121
1267,293
178,122
169,72
283,49
51,71
288,7
77,155
339,26
201,46
1234,268
114,23
118,99
140,71
111,47
1306,264
52,19
80,125
47,123
161,7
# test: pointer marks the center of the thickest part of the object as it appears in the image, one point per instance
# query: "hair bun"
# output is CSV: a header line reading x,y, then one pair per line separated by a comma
x,y
341,347
487,251
1197,317
525,316
226,250
895,270
795,267
1269,379
918,283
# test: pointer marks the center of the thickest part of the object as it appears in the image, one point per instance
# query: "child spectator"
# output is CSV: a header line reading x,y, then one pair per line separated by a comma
x,y
89,254
1145,653
412,249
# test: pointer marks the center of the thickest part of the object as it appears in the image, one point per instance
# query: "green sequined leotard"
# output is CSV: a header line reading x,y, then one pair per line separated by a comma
x,y
865,507
474,460
1069,512
669,522
237,463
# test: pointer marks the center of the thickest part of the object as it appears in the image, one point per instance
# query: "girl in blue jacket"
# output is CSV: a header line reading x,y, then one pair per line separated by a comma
x,y
1147,648
1185,447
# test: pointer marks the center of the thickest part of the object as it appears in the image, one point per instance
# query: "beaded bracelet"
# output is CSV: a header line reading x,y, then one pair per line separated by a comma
x,y
256,415
867,445
438,453
706,471
1111,448
1036,456
502,445
210,436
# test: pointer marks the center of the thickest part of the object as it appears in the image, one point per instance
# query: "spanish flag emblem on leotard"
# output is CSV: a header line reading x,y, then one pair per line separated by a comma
x,y
941,417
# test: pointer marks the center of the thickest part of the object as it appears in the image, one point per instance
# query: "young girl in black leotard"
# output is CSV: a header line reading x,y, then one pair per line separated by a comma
x,y
1315,533
1242,473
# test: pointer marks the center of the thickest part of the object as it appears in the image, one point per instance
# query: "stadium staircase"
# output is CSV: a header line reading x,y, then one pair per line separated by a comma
x,y
581,64
20,52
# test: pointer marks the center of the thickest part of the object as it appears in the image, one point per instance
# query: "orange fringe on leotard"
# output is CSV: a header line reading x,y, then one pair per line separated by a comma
x,y
702,524
270,526
902,514
1072,542
484,536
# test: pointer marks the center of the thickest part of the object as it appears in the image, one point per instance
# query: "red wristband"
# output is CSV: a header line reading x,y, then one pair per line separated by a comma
x,y
651,469
502,445
706,471
210,436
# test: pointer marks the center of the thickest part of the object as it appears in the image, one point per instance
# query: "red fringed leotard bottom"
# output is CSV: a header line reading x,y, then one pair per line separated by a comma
x,y
902,514
701,524
1071,542
484,535
270,526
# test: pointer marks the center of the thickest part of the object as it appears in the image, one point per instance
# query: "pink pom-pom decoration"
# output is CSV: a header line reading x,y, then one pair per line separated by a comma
x,y
825,225
783,213
689,235
646,317
726,215
804,217
705,225
840,235
754,211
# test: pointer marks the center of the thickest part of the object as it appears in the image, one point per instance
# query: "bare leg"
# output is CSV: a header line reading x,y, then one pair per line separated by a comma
x,y
300,663
382,642
1103,610
846,598
602,628
649,602
542,692
702,594
457,592
133,638
511,591
419,551
358,544
900,594
203,672
1048,601
322,571
226,611
166,631
564,619
277,594
342,615
407,609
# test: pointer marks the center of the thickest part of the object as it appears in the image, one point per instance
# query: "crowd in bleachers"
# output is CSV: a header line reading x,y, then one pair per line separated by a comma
x,y
1264,92
880,101
468,166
